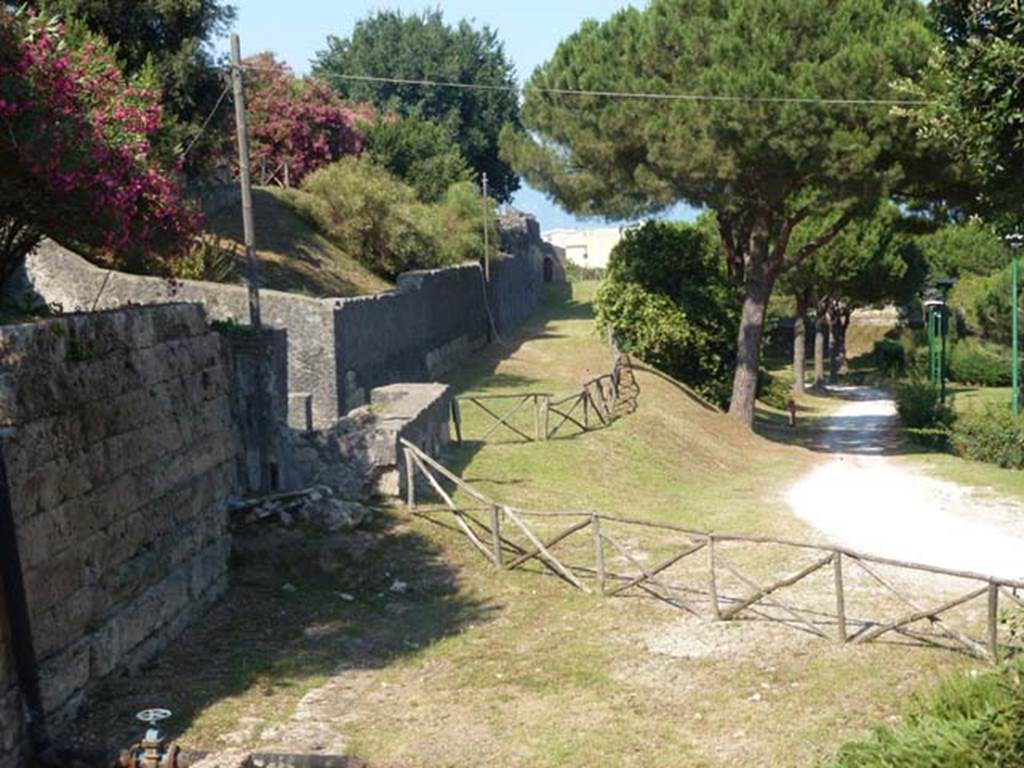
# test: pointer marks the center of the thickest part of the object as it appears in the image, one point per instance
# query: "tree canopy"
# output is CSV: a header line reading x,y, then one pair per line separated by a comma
x,y
764,152
423,47
421,152
871,261
667,297
979,107
961,249
295,122
76,152
171,39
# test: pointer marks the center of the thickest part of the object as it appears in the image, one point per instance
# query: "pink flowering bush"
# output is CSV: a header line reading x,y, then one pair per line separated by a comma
x,y
76,153
299,122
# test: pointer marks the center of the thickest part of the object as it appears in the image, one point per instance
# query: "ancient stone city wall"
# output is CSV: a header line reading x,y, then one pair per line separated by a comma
x,y
121,457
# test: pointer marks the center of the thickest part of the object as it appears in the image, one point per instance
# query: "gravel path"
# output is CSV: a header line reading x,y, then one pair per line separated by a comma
x,y
867,501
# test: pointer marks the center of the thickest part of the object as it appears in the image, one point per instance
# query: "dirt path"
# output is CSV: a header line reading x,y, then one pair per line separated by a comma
x,y
864,499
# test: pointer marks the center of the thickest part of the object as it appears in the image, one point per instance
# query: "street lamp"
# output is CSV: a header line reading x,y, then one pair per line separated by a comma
x,y
937,320
1015,241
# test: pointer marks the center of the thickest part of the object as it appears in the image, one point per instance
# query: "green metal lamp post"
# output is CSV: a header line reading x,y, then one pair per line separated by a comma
x,y
1015,241
937,320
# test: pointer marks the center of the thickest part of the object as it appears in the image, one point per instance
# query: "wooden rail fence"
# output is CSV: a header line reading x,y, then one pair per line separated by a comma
x,y
597,404
710,583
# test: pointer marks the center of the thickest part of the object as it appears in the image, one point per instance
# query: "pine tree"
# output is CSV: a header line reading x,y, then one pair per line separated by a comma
x,y
769,169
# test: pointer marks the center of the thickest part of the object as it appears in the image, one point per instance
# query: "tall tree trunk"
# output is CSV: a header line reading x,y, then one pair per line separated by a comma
x,y
820,328
839,320
757,290
800,340
834,345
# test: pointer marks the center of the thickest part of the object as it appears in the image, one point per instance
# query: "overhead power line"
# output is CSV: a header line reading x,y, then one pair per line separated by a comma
x,y
610,94
206,122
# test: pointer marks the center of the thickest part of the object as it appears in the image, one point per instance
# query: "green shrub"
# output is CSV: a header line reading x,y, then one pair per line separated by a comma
x,y
421,152
376,218
992,434
973,720
918,361
668,299
211,258
924,416
455,224
656,329
371,215
992,305
914,342
965,298
975,362
918,404
890,357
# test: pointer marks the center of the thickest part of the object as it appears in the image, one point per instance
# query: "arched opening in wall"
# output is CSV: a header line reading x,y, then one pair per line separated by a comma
x,y
549,270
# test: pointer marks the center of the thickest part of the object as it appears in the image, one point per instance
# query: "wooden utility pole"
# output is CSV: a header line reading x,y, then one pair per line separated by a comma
x,y
264,417
248,227
487,253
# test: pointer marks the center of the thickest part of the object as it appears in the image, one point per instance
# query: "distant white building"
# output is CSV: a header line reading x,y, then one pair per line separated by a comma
x,y
586,247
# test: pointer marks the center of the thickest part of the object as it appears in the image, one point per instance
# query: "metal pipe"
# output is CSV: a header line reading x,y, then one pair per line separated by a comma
x,y
1016,339
1015,241
943,330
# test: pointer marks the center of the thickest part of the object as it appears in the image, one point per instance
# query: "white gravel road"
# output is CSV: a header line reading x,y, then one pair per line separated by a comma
x,y
866,500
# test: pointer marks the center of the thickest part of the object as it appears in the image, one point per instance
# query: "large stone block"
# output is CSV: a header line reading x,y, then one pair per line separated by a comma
x,y
360,456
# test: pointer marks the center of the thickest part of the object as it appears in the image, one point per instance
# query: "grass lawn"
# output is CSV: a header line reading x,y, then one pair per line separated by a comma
x,y
964,397
402,646
975,474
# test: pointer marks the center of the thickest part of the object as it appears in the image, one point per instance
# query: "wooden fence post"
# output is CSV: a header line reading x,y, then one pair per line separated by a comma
x,y
536,417
410,480
712,581
496,536
547,416
586,410
595,524
457,420
993,621
837,566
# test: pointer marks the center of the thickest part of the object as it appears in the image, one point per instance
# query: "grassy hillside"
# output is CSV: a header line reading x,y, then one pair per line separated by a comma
x,y
293,256
674,459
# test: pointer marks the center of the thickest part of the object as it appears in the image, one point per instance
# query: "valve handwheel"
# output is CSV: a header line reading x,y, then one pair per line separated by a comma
x,y
153,716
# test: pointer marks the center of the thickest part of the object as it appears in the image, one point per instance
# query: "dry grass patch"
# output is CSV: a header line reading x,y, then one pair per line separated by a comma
x,y
292,255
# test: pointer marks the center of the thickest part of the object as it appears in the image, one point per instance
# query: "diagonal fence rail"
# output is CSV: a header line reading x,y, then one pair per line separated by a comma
x,y
598,403
826,591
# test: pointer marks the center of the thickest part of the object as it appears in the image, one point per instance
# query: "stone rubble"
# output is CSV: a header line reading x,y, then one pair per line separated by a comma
x,y
318,506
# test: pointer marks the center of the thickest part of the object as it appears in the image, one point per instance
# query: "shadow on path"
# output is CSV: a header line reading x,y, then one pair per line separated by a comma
x,y
866,425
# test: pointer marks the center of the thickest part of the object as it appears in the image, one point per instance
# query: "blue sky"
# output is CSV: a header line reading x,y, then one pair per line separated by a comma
x,y
531,30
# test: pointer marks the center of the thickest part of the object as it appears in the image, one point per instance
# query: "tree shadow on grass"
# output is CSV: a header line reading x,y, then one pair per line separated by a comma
x,y
302,605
